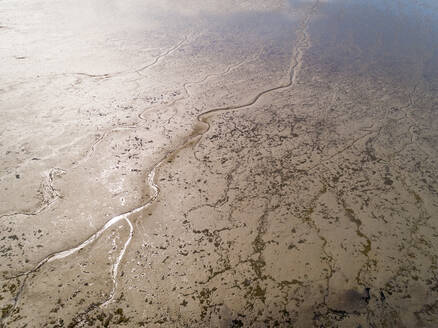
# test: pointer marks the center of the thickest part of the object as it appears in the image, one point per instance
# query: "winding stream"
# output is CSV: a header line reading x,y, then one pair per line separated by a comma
x,y
203,126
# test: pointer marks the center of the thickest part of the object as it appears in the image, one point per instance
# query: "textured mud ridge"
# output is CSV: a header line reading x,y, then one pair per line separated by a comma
x,y
274,164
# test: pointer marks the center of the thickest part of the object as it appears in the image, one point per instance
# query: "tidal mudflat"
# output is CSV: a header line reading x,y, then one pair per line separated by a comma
x,y
219,163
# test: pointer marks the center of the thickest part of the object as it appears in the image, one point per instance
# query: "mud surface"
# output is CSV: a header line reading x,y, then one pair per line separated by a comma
x,y
219,163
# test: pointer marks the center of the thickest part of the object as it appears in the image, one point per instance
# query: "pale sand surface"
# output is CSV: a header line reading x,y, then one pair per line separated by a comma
x,y
218,163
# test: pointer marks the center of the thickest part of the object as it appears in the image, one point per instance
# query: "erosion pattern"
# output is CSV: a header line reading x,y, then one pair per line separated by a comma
x,y
285,183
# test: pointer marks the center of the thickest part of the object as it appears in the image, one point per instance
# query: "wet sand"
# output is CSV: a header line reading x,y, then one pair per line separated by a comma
x,y
223,164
